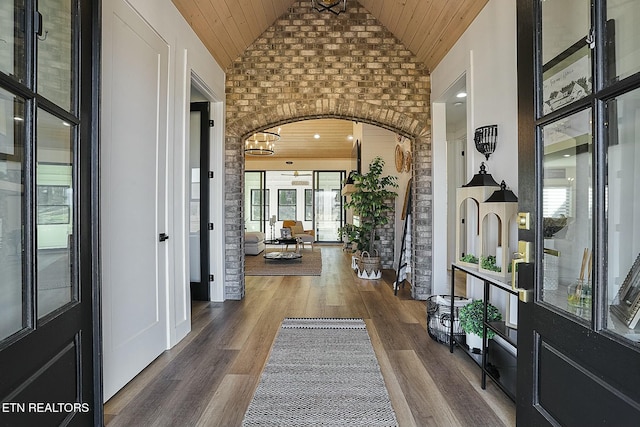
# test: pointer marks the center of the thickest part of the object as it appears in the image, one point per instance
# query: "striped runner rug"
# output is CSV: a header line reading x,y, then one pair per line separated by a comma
x,y
321,372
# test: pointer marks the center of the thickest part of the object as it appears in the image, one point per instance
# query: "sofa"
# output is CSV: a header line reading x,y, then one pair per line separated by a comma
x,y
253,242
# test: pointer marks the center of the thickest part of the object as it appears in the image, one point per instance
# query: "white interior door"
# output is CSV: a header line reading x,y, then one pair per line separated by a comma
x,y
134,185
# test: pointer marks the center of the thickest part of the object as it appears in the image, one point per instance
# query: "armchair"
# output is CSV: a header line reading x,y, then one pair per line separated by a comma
x,y
298,231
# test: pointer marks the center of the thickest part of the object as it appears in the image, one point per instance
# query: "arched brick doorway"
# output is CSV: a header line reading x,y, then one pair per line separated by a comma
x,y
234,196
311,66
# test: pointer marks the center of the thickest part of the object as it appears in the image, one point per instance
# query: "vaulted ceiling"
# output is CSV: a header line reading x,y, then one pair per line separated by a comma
x,y
428,28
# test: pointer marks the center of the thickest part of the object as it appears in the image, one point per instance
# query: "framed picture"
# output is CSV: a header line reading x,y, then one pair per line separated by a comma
x,y
285,233
567,77
627,306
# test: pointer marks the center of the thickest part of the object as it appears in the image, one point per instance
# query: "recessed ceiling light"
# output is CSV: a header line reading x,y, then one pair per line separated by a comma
x,y
461,95
567,155
350,137
316,136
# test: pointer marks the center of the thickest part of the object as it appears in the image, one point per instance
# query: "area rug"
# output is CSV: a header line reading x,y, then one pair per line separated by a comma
x,y
321,372
309,265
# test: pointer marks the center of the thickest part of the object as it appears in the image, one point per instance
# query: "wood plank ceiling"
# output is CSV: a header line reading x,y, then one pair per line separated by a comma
x,y
428,28
297,140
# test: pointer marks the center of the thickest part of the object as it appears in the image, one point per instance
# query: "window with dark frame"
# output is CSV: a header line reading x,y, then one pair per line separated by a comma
x,y
308,205
259,198
286,204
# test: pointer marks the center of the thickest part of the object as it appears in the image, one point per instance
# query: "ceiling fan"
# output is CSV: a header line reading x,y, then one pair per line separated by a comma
x,y
296,174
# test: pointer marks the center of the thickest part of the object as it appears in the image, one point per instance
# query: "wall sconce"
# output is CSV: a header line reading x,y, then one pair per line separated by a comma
x,y
486,138
332,6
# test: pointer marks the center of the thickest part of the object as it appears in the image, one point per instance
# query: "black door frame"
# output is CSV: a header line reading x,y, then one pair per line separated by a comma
x,y
202,291
45,347
601,389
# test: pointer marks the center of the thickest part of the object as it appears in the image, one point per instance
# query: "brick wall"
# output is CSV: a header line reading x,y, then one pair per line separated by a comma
x,y
310,65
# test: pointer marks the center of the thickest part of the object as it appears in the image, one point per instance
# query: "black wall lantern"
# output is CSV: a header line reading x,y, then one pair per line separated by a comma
x,y
486,138
332,6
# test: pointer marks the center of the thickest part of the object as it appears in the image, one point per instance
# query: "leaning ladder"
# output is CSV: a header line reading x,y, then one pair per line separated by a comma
x,y
402,264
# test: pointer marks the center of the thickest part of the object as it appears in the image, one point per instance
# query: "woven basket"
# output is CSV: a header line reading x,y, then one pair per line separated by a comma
x,y
369,264
439,317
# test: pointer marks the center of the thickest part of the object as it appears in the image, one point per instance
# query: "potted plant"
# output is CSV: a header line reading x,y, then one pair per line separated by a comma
x,y
471,316
348,233
371,201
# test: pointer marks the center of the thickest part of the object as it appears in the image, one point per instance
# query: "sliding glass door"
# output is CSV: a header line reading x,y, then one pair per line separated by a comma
x,y
329,209
275,196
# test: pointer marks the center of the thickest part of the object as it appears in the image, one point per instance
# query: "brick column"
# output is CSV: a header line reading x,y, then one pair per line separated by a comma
x,y
233,214
422,219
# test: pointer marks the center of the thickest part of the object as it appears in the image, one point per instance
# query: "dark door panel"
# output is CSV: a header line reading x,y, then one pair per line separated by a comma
x,y
578,358
565,386
49,321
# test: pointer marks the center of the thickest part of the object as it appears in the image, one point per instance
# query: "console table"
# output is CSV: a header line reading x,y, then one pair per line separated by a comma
x,y
496,360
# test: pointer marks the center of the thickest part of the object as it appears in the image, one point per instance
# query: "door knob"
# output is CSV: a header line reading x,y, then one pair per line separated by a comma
x,y
163,236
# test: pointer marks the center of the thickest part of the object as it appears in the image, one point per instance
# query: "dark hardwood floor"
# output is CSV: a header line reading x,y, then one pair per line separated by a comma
x,y
208,379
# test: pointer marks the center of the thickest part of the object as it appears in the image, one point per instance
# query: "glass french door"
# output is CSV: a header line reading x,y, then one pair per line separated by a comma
x,y
48,234
579,169
328,202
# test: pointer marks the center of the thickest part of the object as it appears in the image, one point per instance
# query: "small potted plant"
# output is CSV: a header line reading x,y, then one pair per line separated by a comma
x,y
471,316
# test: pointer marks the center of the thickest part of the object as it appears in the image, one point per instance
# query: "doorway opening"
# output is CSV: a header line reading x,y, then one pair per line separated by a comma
x,y
199,166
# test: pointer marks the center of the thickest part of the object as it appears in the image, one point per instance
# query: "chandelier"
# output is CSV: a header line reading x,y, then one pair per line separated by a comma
x,y
330,5
261,143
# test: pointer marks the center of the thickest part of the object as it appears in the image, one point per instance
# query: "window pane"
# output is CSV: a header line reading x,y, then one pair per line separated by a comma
x,y
54,200
567,207
55,48
252,188
623,215
623,29
12,53
328,206
308,205
286,204
258,199
12,305
566,57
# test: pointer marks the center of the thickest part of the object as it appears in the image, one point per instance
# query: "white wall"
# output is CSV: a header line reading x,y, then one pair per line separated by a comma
x,y
486,52
188,60
377,141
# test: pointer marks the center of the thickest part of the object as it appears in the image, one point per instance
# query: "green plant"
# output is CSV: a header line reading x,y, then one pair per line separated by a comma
x,y
470,258
371,201
471,317
350,231
489,263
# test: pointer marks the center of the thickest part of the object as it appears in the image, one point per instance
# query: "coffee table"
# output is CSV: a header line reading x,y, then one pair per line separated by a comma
x,y
282,256
283,242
